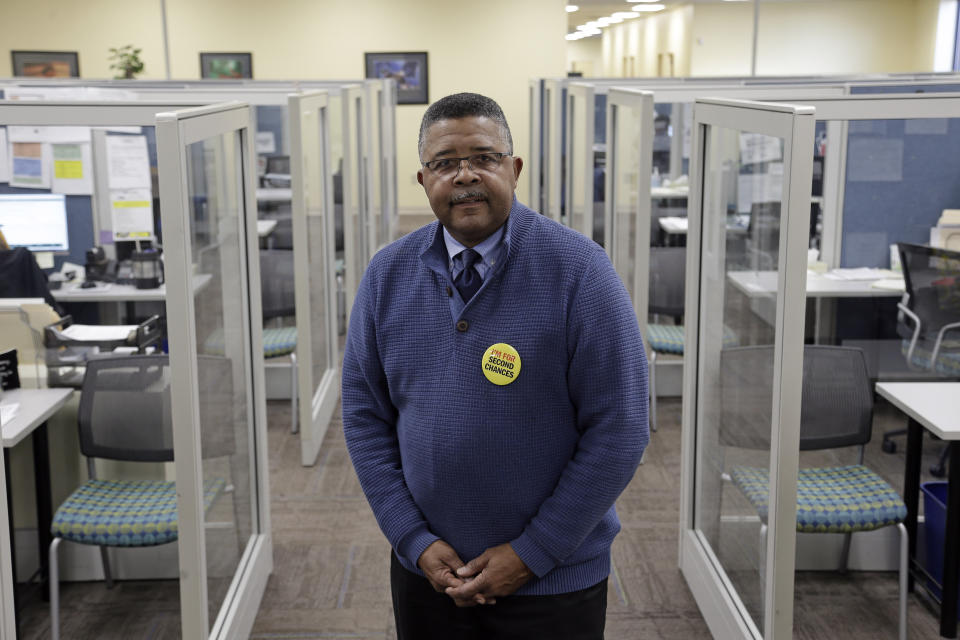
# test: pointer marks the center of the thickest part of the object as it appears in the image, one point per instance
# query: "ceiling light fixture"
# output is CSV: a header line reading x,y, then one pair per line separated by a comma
x,y
572,7
649,8
625,15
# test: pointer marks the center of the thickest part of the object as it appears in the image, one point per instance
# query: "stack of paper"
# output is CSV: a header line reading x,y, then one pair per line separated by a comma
x,y
859,273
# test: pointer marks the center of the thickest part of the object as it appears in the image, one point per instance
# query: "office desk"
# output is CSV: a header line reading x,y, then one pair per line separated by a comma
x,y
932,406
113,292
126,293
757,284
274,194
36,406
670,192
265,227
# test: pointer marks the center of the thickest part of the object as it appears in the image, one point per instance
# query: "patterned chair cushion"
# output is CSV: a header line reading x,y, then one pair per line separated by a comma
x,y
668,338
948,362
124,513
276,342
830,500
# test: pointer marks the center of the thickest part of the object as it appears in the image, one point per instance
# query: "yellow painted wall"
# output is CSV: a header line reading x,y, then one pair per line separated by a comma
x,y
814,36
640,47
494,51
586,55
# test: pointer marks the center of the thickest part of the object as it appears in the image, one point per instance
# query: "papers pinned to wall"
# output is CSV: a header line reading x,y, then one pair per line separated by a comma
x,y
759,187
29,165
756,147
266,142
4,157
128,163
72,173
132,213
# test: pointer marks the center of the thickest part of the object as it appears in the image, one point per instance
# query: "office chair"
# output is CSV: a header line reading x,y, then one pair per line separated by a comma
x,y
836,411
125,414
928,319
668,266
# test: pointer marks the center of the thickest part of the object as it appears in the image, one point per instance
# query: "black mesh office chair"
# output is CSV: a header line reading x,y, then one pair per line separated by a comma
x,y
125,414
928,319
836,411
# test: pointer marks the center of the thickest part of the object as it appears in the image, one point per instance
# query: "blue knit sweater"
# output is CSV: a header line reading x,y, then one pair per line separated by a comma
x,y
441,452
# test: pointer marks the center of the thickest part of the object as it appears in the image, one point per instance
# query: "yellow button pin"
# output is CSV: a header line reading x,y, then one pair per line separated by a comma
x,y
501,363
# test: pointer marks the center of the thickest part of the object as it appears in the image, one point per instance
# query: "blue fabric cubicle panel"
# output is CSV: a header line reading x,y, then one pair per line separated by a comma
x,y
271,118
600,118
916,174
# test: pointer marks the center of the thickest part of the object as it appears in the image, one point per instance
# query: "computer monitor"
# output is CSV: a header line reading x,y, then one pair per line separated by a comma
x,y
35,221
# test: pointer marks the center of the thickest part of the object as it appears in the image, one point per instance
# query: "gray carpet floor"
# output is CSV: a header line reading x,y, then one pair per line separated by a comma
x,y
330,578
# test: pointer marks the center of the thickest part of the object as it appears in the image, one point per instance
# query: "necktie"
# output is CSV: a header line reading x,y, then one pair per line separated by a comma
x,y
468,281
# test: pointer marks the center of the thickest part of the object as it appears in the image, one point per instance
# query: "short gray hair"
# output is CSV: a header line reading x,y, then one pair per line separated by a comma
x,y
464,105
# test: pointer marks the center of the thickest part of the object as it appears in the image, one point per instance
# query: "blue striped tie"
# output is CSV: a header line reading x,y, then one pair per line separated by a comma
x,y
468,281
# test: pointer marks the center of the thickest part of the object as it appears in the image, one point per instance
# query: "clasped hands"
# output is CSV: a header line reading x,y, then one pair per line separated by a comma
x,y
496,572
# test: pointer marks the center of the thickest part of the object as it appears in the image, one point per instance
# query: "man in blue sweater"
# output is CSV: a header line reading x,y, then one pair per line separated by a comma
x,y
494,400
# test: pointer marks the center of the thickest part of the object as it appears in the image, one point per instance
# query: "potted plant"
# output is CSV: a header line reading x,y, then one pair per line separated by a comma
x,y
126,60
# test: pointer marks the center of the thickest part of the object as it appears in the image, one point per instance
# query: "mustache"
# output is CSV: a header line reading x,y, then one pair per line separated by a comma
x,y
467,195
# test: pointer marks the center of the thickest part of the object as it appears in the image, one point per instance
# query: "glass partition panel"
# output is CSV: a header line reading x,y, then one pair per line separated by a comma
x,y
736,341
580,158
217,231
628,158
373,170
316,284
743,361
354,193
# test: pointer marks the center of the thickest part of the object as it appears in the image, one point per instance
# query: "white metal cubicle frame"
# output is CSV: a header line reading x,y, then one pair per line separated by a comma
x,y
718,600
8,615
318,398
581,102
639,104
533,164
175,131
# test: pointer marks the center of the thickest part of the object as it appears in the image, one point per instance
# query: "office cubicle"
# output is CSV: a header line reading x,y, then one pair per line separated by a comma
x,y
315,272
218,402
66,121
552,120
744,588
908,136
371,183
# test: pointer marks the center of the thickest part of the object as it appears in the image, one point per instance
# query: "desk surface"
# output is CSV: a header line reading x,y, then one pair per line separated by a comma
x,y
265,227
680,225
122,292
274,195
932,404
763,283
669,192
36,405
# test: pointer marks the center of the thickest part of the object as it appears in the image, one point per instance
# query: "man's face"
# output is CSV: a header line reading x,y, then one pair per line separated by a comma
x,y
471,203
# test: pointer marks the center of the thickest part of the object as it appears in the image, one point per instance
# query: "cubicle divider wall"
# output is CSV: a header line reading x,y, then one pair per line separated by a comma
x,y
581,153
315,273
8,614
743,587
356,240
233,508
629,158
218,398
533,166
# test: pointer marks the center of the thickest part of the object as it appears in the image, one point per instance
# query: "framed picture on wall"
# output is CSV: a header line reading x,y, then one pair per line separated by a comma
x,y
46,64
408,68
226,65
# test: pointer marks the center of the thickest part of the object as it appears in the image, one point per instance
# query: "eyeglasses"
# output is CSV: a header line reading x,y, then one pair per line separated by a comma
x,y
478,162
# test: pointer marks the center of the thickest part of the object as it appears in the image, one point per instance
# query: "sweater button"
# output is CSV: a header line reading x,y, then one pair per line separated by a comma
x,y
462,326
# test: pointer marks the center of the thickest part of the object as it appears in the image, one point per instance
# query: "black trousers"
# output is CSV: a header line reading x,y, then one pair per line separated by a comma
x,y
424,614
